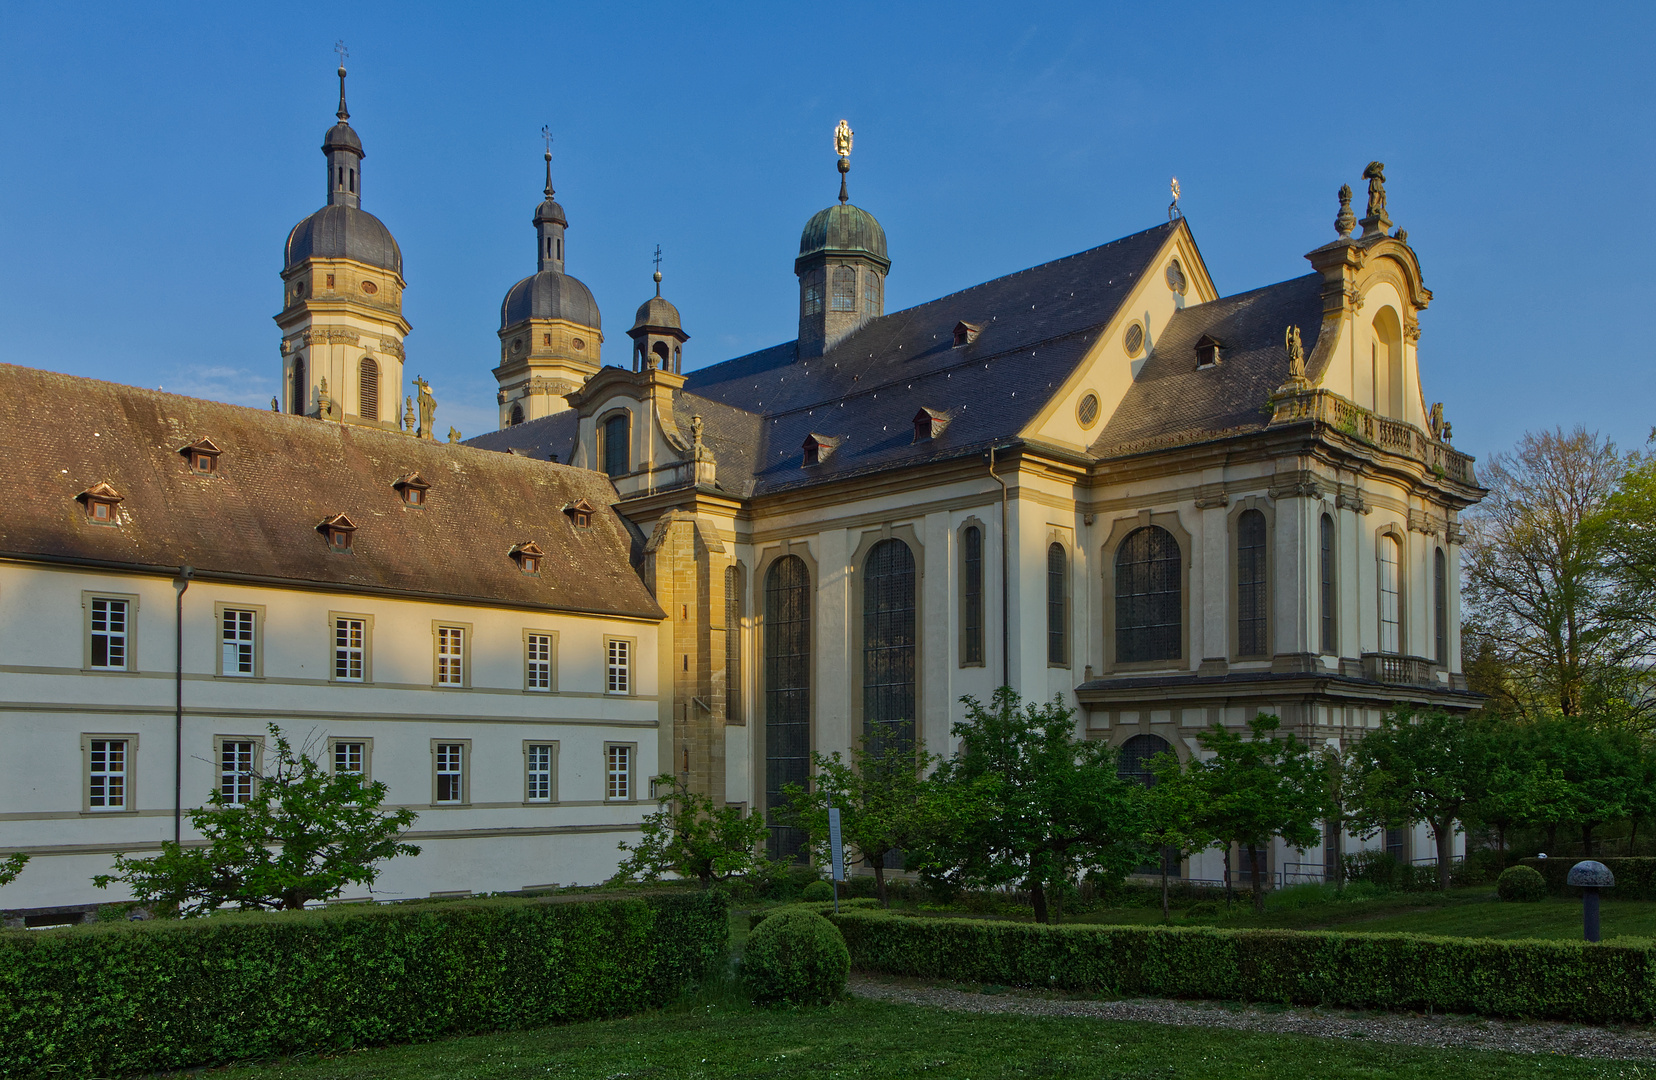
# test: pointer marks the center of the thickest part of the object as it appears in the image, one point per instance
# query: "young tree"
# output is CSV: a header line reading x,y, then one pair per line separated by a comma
x,y
1603,774
1258,787
11,866
887,802
689,836
1430,768
1174,815
1052,805
303,836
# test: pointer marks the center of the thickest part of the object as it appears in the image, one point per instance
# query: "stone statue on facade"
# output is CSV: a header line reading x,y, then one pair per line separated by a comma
x,y
699,450
428,407
454,434
408,415
1296,356
1434,419
275,406
1375,174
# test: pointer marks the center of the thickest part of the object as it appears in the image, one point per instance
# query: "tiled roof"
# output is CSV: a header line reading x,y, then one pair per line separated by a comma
x,y
1172,402
278,477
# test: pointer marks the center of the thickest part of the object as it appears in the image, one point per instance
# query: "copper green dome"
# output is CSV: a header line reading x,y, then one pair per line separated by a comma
x,y
843,230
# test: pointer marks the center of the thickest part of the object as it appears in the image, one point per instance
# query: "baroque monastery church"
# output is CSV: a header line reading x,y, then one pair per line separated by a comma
x,y
1095,480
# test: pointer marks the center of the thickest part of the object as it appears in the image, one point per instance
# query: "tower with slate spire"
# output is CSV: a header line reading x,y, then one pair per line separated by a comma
x,y
658,336
550,331
342,285
842,266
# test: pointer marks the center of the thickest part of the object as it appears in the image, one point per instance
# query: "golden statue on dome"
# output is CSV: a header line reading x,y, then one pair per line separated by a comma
x,y
842,139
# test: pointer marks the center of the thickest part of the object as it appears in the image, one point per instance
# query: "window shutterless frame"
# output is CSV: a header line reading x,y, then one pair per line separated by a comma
x,y
618,665
109,642
540,771
237,761
620,772
451,658
450,772
540,661
350,754
350,647
240,639
108,773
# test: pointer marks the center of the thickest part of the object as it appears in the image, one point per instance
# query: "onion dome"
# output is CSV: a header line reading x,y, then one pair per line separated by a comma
x,y
843,230
657,314
550,293
342,229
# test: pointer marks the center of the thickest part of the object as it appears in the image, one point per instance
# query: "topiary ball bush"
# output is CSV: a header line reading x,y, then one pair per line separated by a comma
x,y
796,958
816,892
1520,883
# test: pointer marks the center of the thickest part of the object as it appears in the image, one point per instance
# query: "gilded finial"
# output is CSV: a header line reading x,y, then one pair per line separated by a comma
x,y
1173,211
842,147
339,47
1345,221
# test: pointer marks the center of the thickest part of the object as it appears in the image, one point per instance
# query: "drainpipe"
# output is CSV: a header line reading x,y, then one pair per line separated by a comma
x,y
1006,626
181,583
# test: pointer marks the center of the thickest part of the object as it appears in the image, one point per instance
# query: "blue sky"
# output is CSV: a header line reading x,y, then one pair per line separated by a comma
x,y
157,156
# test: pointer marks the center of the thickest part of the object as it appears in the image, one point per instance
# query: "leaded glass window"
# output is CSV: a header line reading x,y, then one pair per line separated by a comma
x,y
1250,585
971,596
1330,603
810,297
1440,605
1057,605
787,694
845,289
733,644
1149,600
1391,638
888,644
617,454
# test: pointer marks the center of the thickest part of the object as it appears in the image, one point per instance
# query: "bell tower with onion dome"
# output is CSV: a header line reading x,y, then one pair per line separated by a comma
x,y
342,285
842,266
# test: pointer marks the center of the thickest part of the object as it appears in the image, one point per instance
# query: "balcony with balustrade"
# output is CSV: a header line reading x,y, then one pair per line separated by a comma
x,y
1393,436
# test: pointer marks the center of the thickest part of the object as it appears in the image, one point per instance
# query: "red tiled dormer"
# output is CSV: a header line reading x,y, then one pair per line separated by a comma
x,y
338,531
102,503
203,455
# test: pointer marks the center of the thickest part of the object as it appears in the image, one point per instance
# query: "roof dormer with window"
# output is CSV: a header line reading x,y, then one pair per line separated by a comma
x,y
338,531
203,455
412,489
102,503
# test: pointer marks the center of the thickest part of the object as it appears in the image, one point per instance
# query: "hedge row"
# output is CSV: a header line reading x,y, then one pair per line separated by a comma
x,y
144,997
859,903
1635,877
1611,983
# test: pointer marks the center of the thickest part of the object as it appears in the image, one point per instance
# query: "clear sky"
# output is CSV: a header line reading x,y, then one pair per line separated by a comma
x,y
157,156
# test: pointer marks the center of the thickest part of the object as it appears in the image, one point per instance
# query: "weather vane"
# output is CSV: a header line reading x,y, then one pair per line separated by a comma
x,y
1173,211
546,134
658,258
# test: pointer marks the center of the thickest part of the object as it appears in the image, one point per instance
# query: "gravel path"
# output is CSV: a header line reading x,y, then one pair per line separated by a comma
x,y
1468,1032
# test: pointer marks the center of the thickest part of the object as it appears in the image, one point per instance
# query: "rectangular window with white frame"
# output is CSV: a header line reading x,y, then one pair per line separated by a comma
x,y
450,760
540,772
351,757
240,655
238,761
453,667
353,637
108,772
619,783
109,644
540,661
618,665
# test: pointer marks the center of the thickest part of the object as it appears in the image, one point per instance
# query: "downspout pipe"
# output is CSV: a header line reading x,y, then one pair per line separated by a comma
x,y
1006,616
182,584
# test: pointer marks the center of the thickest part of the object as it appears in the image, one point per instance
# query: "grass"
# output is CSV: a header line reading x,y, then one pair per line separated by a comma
x,y
863,1039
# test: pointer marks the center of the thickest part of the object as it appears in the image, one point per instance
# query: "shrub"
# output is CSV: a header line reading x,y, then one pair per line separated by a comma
x,y
1202,909
861,903
816,892
1563,980
1520,883
796,957
139,997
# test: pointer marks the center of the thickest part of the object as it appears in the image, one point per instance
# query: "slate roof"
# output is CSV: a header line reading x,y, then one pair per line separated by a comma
x,y
278,477
344,232
1037,325
550,295
545,439
1172,402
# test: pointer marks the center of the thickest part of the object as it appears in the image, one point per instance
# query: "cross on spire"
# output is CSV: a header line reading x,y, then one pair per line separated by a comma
x,y
658,269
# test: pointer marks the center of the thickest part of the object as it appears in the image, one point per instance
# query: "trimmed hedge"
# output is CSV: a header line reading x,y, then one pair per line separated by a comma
x,y
861,903
1520,883
1635,876
145,997
796,957
1608,983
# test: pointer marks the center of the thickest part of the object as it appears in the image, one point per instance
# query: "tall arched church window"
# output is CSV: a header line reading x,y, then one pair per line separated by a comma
x,y
888,644
733,644
1148,599
787,695
617,451
1390,559
971,596
810,298
368,380
1251,598
1440,605
845,288
517,414
296,395
1057,605
1330,601
1133,763
871,291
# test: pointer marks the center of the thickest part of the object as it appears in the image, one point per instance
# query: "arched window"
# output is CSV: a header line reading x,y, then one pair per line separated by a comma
x,y
1148,600
1330,602
1251,596
368,378
733,644
810,296
1391,558
845,288
888,644
517,414
296,395
1133,763
1440,605
971,596
661,355
1387,355
787,694
617,452
871,292
1057,605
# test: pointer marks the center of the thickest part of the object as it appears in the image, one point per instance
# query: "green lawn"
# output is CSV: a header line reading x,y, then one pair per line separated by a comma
x,y
864,1039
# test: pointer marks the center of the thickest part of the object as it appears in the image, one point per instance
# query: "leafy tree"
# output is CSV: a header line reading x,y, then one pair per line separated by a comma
x,y
1258,787
303,836
1174,814
1050,805
1517,788
1430,768
11,866
1603,774
1625,532
691,837
887,802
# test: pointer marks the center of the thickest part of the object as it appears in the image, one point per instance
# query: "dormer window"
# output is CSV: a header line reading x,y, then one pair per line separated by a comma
x,y
817,448
929,424
1207,351
337,530
101,502
580,514
528,557
965,333
412,487
203,456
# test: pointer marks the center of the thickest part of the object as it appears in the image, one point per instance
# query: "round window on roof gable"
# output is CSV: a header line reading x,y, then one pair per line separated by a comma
x,y
1176,277
1086,411
1133,339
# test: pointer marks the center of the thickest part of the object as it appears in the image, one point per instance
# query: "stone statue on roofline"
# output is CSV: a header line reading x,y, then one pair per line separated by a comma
x,y
428,407
1376,221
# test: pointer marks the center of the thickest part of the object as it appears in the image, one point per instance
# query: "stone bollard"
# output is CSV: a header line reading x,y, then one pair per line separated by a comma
x,y
1590,876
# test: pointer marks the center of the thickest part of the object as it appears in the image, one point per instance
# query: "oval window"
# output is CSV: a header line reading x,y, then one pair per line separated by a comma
x,y
1133,340
369,287
1087,411
579,344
